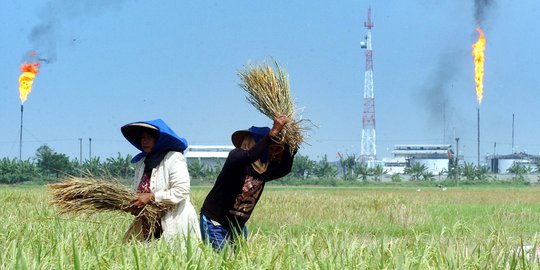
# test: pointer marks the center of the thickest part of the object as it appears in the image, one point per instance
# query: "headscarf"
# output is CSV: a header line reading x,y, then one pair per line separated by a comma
x,y
166,141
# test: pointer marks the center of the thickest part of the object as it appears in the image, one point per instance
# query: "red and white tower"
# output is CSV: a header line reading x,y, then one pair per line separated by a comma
x,y
369,149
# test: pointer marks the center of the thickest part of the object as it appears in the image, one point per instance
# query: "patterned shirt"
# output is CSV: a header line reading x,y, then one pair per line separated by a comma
x,y
238,187
144,185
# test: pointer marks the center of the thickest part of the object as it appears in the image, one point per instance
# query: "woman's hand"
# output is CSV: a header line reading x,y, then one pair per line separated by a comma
x,y
279,123
143,199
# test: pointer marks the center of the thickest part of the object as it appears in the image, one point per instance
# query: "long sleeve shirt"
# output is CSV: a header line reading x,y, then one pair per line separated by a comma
x,y
238,187
169,182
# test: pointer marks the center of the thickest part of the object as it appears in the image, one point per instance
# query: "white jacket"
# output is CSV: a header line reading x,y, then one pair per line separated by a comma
x,y
170,182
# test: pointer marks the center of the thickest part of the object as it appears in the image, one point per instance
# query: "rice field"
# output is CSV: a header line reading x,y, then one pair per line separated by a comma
x,y
295,228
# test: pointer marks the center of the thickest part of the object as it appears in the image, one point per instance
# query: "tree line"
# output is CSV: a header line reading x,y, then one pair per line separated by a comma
x,y
49,165
350,170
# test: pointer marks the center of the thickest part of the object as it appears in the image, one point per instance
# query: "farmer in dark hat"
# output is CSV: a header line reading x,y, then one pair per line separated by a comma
x,y
256,160
161,175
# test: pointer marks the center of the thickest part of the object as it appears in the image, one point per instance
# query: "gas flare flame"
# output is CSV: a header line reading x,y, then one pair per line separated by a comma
x,y
26,79
478,54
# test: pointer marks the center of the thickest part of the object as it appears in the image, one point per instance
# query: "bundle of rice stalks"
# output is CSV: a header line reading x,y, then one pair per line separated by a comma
x,y
88,195
269,92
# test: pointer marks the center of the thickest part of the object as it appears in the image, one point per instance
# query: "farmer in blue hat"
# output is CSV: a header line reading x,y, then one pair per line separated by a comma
x,y
161,175
256,160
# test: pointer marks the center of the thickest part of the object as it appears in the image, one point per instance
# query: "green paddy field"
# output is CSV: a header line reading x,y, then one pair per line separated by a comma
x,y
295,228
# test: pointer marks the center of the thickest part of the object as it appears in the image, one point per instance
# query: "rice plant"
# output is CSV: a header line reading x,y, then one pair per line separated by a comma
x,y
269,92
88,195
293,228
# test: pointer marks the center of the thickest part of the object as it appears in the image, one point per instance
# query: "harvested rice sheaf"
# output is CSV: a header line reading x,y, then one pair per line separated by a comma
x,y
88,195
269,92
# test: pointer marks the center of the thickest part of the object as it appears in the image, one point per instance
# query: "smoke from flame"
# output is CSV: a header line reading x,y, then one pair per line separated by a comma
x,y
26,79
478,54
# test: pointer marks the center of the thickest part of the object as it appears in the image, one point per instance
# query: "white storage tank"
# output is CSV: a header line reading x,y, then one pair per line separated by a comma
x,y
501,163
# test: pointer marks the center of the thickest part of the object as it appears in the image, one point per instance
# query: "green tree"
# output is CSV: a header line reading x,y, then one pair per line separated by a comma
x,y
537,163
196,169
469,171
93,167
77,169
51,163
361,170
519,170
416,171
302,167
213,172
377,172
348,165
9,171
14,171
396,177
323,169
119,167
482,173
453,169
428,176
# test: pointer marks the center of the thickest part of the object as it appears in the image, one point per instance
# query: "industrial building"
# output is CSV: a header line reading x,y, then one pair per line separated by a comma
x,y
501,163
209,156
434,156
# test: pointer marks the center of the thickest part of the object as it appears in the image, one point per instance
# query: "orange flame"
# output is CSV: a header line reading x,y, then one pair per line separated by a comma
x,y
478,54
26,79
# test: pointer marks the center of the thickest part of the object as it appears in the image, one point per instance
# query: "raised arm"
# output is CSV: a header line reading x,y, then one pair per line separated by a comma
x,y
239,157
278,169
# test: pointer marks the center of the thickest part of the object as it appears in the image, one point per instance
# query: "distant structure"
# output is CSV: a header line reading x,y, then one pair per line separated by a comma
x,y
369,149
394,165
435,157
209,156
501,163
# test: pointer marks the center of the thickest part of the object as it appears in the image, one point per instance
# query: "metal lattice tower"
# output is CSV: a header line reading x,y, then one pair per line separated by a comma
x,y
369,149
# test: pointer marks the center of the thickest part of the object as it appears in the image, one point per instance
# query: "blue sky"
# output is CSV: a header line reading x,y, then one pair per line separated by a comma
x,y
115,63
